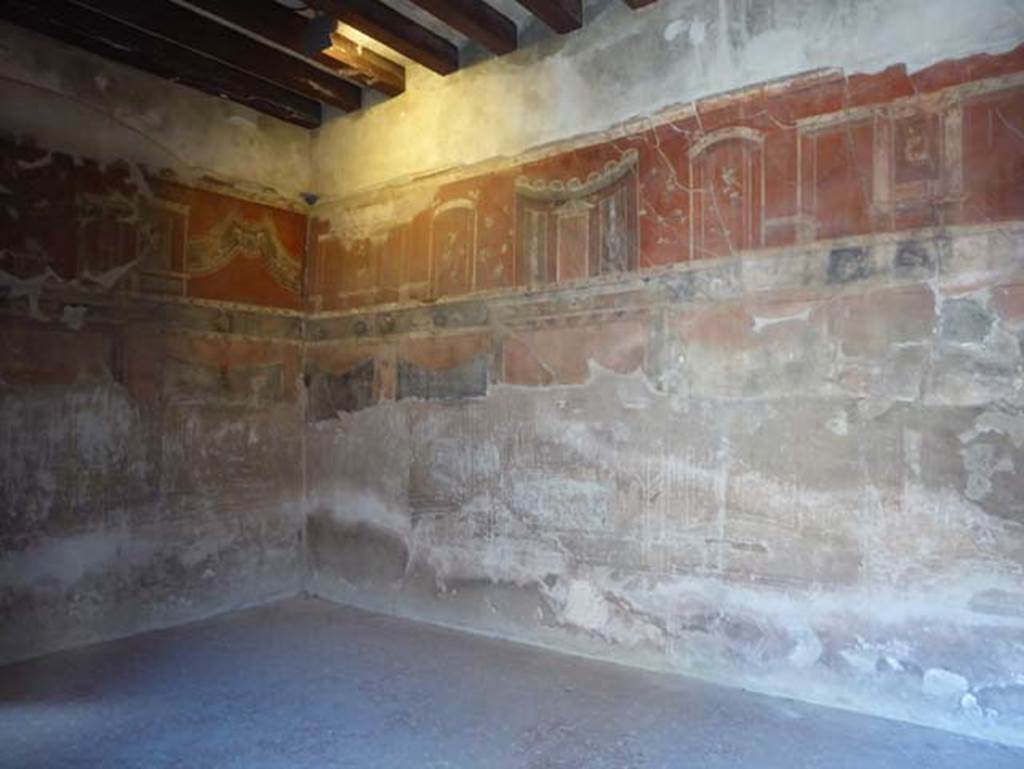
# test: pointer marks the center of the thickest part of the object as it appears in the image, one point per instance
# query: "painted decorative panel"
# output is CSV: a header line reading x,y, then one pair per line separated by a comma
x,y
567,230
66,220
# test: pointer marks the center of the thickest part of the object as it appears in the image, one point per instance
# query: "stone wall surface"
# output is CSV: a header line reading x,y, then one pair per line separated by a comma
x,y
150,399
736,393
756,469
735,390
150,472
70,101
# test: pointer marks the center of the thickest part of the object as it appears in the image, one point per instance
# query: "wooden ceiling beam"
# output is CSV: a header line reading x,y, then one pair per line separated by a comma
x,y
97,33
395,31
185,27
561,15
476,20
273,22
369,67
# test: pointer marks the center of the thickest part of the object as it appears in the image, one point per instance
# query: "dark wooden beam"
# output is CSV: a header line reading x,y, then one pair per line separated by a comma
x,y
477,21
273,22
395,31
638,3
101,35
561,15
180,25
369,67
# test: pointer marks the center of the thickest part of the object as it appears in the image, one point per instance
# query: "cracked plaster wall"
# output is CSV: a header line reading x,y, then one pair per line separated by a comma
x,y
150,472
797,470
626,64
783,476
67,100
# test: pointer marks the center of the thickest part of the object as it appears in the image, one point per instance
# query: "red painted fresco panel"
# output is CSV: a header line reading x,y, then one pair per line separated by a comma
x,y
117,226
815,157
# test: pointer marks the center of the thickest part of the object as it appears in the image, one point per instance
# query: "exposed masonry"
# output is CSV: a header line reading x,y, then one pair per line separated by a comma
x,y
793,470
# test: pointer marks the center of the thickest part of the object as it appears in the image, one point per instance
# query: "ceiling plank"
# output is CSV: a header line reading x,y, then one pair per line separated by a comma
x,y
561,15
180,25
395,31
638,3
477,21
99,34
288,29
374,70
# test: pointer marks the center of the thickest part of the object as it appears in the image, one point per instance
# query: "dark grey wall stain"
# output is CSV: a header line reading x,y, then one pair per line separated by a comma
x,y
848,264
466,381
333,393
187,380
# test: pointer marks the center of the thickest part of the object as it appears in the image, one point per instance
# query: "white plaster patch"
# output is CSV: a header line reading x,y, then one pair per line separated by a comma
x,y
839,423
698,32
503,560
354,505
674,29
585,607
943,684
807,647
761,323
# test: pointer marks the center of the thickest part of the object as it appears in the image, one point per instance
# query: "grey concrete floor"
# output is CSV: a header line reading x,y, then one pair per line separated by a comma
x,y
303,683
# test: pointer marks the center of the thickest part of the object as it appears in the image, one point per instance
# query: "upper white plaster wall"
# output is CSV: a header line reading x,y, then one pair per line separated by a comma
x,y
68,100
624,64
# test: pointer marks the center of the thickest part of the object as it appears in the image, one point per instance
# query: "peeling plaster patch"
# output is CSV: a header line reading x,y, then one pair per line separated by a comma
x,y
376,218
674,29
761,323
981,464
943,684
698,32
1010,425
807,648
585,607
499,561
863,661
352,505
839,423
